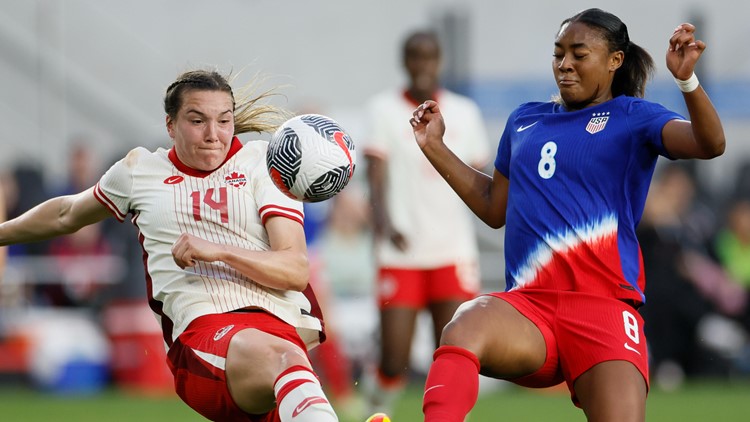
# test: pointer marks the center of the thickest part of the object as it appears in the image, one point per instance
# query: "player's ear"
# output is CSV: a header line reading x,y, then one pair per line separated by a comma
x,y
170,126
615,60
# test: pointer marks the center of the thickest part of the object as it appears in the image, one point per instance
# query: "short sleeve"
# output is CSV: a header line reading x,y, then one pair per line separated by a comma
x,y
478,148
647,119
377,128
502,160
114,189
271,201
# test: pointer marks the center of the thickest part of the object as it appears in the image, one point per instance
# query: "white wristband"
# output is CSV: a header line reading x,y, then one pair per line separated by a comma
x,y
689,85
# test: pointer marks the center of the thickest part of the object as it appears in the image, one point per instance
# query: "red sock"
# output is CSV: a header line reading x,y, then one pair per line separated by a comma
x,y
452,385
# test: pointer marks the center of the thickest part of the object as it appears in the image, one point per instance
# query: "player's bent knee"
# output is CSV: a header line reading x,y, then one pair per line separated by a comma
x,y
463,329
254,360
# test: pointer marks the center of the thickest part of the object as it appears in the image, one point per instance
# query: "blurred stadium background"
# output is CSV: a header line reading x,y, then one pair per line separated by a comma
x,y
82,83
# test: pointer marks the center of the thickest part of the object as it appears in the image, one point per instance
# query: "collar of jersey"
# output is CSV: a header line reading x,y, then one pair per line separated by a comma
x,y
236,146
435,96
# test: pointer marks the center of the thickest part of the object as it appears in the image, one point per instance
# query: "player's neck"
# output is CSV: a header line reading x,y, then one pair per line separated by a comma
x,y
418,96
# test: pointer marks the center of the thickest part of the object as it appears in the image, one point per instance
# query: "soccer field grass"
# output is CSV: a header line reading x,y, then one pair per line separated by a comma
x,y
697,401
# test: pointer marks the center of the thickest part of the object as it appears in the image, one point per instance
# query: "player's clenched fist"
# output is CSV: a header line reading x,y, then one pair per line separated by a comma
x,y
188,249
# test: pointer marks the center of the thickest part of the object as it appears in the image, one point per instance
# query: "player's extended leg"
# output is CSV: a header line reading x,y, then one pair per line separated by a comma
x,y
264,371
486,333
397,326
612,391
442,312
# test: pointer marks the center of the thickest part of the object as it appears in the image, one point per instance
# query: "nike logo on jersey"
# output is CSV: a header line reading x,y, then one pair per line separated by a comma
x,y
307,402
173,180
522,127
631,348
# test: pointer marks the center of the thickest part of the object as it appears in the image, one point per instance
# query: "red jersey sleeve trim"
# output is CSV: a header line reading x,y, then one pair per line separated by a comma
x,y
104,200
274,210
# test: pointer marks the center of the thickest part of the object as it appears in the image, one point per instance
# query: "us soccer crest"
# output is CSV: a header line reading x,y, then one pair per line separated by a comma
x,y
597,123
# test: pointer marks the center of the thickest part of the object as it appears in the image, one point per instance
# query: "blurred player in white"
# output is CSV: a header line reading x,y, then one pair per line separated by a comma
x,y
425,244
224,252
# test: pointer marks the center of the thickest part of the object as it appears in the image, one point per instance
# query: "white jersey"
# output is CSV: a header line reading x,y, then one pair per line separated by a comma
x,y
229,206
422,206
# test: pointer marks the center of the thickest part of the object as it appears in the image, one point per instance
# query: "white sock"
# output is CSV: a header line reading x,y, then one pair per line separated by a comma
x,y
300,397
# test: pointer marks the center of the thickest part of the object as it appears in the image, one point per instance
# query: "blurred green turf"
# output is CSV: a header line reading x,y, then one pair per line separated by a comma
x,y
696,401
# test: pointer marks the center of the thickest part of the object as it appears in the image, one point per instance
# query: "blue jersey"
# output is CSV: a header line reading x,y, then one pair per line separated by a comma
x,y
578,184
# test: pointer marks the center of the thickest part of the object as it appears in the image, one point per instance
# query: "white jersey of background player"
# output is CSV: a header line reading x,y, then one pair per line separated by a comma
x,y
421,205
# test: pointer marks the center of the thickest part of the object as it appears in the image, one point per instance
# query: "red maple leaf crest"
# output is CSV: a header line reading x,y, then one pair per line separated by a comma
x,y
235,179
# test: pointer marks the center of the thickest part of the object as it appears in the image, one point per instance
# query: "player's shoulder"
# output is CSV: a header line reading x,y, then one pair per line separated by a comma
x,y
253,153
535,107
448,95
254,147
633,106
386,98
451,99
140,155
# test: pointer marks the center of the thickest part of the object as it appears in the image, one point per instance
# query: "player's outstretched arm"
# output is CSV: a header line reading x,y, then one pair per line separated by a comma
x,y
283,267
486,196
703,135
54,217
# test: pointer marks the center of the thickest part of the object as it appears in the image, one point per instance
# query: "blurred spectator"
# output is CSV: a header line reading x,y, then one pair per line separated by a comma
x,y
3,216
27,189
684,284
79,258
345,247
733,251
733,242
341,260
83,168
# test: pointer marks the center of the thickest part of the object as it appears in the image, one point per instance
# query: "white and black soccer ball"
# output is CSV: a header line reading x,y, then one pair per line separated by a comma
x,y
311,158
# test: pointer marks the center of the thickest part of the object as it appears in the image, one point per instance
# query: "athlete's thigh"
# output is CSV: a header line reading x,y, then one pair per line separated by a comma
x,y
507,344
612,391
211,367
254,361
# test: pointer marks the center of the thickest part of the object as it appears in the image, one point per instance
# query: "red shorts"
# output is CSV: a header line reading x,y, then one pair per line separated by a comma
x,y
197,362
415,288
580,330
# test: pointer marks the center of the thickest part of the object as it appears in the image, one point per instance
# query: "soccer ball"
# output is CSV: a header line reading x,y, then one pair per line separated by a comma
x,y
379,417
310,158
